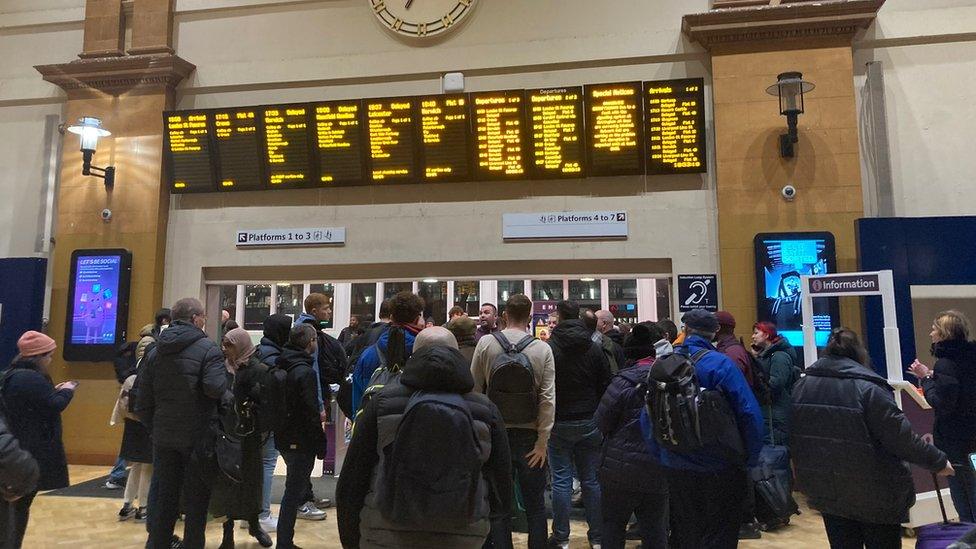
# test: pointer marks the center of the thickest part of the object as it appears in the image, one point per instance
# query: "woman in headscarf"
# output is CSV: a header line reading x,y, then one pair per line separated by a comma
x,y
239,415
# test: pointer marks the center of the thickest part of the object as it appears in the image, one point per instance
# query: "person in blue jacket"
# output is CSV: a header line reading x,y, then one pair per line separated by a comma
x,y
405,323
706,490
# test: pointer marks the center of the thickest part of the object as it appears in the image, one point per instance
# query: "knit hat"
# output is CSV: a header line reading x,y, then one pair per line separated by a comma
x,y
639,343
725,318
700,320
462,326
34,344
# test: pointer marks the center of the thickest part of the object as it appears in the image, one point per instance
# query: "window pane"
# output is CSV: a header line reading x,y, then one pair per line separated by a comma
x,y
257,305
506,289
586,293
547,290
663,298
326,289
623,300
228,300
290,299
391,289
434,295
364,301
466,296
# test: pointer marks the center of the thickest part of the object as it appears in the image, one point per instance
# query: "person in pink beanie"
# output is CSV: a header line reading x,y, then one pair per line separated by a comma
x,y
33,406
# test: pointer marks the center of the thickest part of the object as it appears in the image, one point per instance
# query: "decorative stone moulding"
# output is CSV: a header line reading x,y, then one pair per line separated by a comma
x,y
118,74
731,22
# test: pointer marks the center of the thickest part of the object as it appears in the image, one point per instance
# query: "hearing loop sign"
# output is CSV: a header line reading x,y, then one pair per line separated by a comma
x,y
698,291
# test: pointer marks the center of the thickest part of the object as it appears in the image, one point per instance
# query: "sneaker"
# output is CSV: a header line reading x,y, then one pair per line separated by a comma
x,y
323,503
141,514
749,531
553,544
310,512
127,512
176,543
113,485
269,524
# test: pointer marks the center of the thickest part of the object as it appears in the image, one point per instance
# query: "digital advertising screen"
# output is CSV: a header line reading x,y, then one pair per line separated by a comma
x,y
781,259
98,299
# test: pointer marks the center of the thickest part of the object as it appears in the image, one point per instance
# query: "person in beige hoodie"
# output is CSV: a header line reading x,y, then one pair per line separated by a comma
x,y
528,439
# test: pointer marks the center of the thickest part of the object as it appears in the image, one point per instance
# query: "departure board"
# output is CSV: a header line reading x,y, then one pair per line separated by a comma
x,y
339,142
188,145
392,135
444,138
499,128
286,142
614,129
556,129
675,115
238,149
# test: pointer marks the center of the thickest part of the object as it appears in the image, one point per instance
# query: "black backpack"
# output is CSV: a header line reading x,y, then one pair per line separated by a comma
x,y
686,417
761,388
273,412
382,376
511,382
432,469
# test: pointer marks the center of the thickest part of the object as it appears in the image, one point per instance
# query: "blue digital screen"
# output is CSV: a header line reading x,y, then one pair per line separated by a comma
x,y
781,259
95,308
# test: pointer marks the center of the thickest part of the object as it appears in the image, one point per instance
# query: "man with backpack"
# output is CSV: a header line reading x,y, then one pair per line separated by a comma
x,y
705,448
582,376
429,463
298,431
518,374
329,361
405,323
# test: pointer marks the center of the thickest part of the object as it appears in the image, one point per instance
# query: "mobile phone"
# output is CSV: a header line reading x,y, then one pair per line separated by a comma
x,y
972,460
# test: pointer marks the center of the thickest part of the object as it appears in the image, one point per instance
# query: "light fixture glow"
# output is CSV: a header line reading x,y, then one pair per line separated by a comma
x,y
587,279
431,281
89,129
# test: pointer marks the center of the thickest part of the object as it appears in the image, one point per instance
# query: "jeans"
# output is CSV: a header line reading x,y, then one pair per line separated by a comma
x,y
575,443
299,468
118,472
269,457
962,488
652,516
532,482
13,520
179,471
706,508
845,533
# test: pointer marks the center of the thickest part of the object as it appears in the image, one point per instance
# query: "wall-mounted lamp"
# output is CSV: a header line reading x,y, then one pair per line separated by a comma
x,y
790,87
89,130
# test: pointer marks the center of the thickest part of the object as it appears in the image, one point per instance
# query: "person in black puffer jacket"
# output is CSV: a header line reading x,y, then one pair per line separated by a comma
x,y
179,385
951,390
582,376
631,479
849,444
276,329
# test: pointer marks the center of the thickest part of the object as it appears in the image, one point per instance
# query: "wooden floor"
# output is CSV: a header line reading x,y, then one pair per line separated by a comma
x,y
91,522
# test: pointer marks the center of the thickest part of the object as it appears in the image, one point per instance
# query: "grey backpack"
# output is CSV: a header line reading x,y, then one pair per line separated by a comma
x,y
511,382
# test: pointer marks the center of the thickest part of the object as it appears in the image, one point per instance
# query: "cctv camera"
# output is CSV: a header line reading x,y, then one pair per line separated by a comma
x,y
789,192
106,215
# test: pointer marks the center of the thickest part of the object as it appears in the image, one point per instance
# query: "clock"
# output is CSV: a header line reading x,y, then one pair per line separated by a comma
x,y
422,18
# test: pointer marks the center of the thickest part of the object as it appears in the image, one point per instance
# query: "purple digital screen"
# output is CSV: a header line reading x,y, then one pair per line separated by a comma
x,y
96,300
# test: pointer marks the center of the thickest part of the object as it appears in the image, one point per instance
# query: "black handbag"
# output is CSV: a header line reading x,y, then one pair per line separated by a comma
x,y
229,456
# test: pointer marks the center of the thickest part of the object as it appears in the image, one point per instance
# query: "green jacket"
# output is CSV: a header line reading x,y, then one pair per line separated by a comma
x,y
781,366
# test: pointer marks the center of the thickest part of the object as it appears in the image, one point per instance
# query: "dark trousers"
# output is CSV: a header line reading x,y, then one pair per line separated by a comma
x,y
845,533
13,520
299,467
620,503
177,472
532,482
706,508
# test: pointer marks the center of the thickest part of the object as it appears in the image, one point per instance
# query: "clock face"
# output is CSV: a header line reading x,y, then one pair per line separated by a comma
x,y
421,18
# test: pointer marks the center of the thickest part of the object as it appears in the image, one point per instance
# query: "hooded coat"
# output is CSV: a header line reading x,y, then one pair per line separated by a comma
x,y
582,371
276,330
952,393
780,364
433,369
850,442
303,432
179,385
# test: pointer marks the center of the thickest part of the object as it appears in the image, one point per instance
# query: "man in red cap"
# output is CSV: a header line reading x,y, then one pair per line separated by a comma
x,y
730,346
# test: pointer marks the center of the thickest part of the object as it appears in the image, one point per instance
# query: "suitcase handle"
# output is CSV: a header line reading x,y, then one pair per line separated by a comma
x,y
938,492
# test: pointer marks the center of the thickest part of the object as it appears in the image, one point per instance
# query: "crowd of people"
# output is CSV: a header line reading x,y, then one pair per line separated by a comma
x,y
457,429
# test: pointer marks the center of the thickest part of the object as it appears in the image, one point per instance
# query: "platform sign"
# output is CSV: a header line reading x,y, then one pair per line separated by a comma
x,y
564,225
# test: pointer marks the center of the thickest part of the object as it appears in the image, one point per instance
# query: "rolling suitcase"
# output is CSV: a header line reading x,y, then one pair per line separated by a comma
x,y
941,534
772,480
